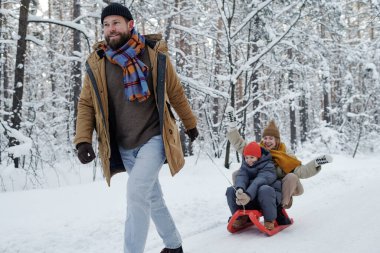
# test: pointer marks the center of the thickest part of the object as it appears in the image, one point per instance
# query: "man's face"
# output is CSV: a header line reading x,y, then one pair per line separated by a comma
x,y
117,30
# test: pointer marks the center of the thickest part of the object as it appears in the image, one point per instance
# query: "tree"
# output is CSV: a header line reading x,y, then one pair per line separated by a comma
x,y
292,109
19,73
76,73
4,69
269,40
312,66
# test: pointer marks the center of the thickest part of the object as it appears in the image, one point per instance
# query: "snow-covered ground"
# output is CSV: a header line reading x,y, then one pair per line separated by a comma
x,y
339,212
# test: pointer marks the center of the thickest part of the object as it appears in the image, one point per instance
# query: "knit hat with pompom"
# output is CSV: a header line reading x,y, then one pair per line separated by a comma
x,y
271,130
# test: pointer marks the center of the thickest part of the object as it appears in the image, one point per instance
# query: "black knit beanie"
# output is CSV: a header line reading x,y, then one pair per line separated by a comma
x,y
116,9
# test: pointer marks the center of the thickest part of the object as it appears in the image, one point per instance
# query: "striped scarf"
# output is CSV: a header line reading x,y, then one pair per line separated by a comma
x,y
134,70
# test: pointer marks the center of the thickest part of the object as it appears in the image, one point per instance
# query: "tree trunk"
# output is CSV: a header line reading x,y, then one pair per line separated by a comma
x,y
215,101
19,74
169,22
2,50
255,104
326,103
292,111
183,46
303,117
324,77
254,80
232,88
51,54
76,70
4,71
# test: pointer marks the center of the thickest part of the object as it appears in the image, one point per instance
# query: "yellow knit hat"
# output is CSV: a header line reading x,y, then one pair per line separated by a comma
x,y
271,130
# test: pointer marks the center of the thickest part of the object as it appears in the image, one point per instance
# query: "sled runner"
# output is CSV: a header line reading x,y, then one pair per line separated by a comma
x,y
254,216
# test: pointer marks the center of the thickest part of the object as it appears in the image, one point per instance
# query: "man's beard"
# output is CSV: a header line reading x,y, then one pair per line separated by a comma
x,y
116,44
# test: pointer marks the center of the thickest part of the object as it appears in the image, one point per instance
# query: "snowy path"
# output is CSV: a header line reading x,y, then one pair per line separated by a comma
x,y
331,222
339,212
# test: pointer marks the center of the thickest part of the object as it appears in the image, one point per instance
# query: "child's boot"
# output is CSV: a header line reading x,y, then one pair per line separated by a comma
x,y
269,225
241,222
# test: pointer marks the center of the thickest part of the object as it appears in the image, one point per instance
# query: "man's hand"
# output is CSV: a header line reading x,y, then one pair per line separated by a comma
x,y
192,133
85,152
242,198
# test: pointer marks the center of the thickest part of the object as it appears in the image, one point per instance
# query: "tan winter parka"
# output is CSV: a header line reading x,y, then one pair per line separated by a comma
x,y
90,116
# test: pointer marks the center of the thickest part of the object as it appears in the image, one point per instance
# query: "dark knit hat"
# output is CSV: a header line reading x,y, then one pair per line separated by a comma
x,y
253,149
116,9
271,130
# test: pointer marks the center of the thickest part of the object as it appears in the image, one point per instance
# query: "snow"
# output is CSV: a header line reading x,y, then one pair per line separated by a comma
x,y
339,212
25,142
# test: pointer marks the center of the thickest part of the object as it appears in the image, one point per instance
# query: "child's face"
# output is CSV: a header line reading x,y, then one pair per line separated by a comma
x,y
269,142
250,160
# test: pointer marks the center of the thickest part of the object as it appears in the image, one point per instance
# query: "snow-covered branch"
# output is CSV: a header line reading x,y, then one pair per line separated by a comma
x,y
250,16
25,142
68,24
268,48
194,84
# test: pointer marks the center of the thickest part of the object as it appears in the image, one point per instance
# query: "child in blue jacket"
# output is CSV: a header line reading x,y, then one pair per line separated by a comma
x,y
255,186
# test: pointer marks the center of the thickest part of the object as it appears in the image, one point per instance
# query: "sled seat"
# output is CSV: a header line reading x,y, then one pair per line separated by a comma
x,y
254,216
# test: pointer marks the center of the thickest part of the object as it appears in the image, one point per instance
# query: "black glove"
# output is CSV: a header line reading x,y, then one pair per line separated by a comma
x,y
192,133
85,152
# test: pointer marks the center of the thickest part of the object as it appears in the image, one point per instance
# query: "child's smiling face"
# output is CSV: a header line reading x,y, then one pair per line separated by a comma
x,y
269,142
250,160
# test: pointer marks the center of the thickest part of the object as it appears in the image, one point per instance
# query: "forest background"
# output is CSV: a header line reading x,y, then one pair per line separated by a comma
x,y
313,66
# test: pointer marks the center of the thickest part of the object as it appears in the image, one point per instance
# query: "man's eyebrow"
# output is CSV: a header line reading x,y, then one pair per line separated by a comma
x,y
113,20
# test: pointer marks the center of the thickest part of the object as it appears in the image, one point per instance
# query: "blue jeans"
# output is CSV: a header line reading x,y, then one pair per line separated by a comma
x,y
145,198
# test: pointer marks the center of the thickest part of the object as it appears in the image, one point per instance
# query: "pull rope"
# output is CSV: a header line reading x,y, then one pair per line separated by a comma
x,y
217,167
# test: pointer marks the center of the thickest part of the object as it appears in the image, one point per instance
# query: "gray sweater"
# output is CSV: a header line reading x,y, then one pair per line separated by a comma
x,y
134,122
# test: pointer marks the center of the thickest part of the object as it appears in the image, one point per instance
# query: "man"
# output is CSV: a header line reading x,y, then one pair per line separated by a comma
x,y
127,97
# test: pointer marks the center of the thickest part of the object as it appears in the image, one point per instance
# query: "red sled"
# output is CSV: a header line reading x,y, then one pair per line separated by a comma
x,y
254,216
